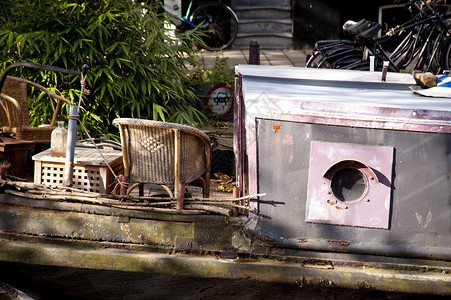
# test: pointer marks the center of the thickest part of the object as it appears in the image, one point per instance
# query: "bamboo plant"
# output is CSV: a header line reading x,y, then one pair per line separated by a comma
x,y
137,68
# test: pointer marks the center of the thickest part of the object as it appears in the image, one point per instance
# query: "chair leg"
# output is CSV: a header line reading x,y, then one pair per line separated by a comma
x,y
134,186
168,190
180,194
125,180
205,187
206,190
141,190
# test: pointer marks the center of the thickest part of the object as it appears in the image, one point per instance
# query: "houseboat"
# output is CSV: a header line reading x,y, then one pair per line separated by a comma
x,y
343,181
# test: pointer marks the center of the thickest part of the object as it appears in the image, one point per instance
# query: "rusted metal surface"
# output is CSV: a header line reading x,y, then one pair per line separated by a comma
x,y
339,243
416,217
287,111
238,130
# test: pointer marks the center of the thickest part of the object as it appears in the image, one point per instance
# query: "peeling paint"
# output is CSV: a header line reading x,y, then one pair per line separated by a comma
x,y
288,140
339,243
331,202
290,157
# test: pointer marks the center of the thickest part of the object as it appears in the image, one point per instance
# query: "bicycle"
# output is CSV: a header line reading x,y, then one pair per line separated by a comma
x,y
333,53
426,47
218,22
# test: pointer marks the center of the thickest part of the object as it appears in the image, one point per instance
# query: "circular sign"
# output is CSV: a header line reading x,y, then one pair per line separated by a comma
x,y
219,100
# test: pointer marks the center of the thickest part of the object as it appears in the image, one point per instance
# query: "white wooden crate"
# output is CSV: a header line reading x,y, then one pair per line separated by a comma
x,y
91,173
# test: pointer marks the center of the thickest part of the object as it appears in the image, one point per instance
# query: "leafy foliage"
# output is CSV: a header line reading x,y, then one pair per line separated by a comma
x,y
137,68
220,73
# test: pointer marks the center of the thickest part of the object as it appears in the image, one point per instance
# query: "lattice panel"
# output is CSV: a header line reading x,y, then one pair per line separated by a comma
x,y
87,178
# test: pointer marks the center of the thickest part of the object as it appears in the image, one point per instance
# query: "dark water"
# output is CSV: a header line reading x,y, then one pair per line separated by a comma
x,y
69,283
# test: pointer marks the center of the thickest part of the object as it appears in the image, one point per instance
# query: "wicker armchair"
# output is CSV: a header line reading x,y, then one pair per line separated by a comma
x,y
165,154
14,115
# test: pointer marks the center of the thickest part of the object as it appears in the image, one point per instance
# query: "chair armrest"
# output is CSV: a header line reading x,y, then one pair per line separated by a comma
x,y
6,109
51,96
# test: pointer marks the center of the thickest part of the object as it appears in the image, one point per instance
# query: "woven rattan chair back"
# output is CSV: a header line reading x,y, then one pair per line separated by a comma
x,y
164,153
14,115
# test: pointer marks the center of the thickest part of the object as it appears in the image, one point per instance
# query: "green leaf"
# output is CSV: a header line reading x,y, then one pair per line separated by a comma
x,y
159,112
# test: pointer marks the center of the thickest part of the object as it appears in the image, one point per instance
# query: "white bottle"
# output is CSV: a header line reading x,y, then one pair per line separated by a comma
x,y
58,140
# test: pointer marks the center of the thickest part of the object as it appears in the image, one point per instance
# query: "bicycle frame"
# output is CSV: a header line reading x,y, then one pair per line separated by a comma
x,y
217,21
409,46
407,42
186,17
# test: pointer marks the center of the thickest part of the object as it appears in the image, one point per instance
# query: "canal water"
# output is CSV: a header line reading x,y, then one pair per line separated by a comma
x,y
68,283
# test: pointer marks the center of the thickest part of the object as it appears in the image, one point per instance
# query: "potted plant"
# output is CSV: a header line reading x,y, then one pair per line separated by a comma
x,y
214,82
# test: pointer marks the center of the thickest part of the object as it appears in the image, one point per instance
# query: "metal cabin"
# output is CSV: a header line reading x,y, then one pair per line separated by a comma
x,y
349,163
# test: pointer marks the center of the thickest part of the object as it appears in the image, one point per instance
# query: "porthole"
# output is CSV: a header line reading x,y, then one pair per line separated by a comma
x,y
349,185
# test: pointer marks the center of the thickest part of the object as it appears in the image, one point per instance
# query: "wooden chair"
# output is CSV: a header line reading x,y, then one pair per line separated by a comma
x,y
14,115
165,154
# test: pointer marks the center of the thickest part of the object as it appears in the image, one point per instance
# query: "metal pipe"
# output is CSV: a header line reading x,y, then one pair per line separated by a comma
x,y
384,71
70,149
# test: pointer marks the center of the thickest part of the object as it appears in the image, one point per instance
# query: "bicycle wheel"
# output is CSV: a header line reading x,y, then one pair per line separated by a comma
x,y
317,60
220,24
363,65
445,55
432,58
346,61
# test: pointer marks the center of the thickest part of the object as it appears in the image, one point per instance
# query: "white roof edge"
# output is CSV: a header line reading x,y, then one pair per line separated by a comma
x,y
302,73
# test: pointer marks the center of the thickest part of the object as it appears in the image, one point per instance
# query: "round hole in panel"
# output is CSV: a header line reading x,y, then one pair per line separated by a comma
x,y
349,185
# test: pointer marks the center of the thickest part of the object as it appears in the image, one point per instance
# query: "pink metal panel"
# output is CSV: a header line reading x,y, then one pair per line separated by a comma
x,y
372,209
355,116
